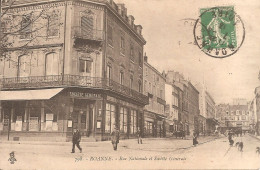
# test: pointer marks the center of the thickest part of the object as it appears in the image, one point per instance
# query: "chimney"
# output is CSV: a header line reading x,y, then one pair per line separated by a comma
x,y
122,10
139,29
145,58
131,20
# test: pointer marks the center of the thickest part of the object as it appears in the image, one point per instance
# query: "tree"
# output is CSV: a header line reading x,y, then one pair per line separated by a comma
x,y
29,26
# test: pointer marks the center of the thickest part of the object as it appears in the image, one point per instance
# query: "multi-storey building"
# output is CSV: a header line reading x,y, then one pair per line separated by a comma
x,y
257,109
207,109
234,116
173,105
74,64
193,107
154,88
189,97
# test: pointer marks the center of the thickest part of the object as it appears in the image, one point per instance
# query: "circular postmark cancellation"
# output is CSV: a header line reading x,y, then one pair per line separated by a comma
x,y
219,32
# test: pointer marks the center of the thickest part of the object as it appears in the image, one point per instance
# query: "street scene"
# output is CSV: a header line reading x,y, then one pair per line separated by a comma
x,y
120,84
212,153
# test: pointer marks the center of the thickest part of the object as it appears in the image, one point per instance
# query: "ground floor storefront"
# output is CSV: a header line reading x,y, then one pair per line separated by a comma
x,y
154,125
52,114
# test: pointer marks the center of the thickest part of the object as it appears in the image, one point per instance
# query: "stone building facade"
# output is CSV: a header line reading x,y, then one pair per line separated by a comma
x,y
74,64
154,113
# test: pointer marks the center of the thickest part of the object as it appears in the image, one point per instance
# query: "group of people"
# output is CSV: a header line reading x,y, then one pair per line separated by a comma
x,y
115,135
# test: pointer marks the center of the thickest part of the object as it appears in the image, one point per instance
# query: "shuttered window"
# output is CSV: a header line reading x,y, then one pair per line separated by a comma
x,y
87,25
53,26
26,28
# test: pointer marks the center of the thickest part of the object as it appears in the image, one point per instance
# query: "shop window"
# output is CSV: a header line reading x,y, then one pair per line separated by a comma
x,y
123,119
23,66
26,28
85,66
51,64
149,127
133,123
110,118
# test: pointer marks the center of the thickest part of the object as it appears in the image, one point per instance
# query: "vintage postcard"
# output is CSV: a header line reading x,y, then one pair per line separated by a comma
x,y
129,84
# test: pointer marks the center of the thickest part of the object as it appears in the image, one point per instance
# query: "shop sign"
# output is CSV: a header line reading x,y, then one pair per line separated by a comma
x,y
85,95
33,124
124,103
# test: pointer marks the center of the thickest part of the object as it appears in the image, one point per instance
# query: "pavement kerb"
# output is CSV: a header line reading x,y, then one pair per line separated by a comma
x,y
256,137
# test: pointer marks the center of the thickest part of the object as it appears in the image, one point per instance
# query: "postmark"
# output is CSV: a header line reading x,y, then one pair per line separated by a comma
x,y
219,32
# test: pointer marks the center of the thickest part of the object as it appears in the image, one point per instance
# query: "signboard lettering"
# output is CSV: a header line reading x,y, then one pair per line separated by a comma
x,y
85,95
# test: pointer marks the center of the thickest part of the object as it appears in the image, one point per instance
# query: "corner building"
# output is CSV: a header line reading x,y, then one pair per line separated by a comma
x,y
85,71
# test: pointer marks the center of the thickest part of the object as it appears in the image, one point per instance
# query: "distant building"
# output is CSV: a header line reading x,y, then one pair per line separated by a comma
x,y
207,108
234,116
154,88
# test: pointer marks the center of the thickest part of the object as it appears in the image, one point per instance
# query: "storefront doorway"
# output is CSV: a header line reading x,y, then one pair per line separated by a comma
x,y
83,116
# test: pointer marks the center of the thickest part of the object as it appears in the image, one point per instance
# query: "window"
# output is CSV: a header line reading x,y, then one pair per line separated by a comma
x,y
149,127
123,119
109,72
140,87
122,45
51,64
140,59
237,112
132,52
110,34
133,124
110,117
26,28
131,81
87,26
121,78
85,66
23,66
161,94
53,26
145,86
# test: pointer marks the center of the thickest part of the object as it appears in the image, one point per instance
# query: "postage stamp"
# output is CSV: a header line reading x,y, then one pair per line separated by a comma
x,y
219,32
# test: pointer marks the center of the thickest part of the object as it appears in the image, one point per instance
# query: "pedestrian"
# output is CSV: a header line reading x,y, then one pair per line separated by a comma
x,y
115,138
195,142
76,140
139,136
231,141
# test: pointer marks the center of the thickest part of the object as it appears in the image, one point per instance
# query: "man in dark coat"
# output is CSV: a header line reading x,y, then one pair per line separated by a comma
x,y
115,138
139,136
231,141
195,141
76,140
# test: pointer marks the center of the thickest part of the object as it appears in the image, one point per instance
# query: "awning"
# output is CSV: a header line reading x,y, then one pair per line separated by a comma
x,y
43,94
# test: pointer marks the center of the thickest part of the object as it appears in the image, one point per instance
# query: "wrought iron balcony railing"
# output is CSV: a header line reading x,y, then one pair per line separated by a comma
x,y
70,81
92,34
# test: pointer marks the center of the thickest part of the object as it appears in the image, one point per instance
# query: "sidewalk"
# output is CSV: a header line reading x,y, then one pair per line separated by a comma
x,y
129,143
254,136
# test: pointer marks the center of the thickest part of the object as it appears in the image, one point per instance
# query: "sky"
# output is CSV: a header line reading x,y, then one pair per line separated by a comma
x,y
169,45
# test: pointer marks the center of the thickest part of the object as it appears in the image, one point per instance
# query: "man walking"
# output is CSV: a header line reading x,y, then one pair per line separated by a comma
x,y
139,136
115,138
76,140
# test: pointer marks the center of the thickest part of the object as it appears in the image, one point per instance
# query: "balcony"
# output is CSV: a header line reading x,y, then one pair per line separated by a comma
x,y
93,34
71,81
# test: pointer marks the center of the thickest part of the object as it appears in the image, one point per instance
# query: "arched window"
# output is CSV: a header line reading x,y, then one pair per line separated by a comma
x,y
23,66
87,23
51,64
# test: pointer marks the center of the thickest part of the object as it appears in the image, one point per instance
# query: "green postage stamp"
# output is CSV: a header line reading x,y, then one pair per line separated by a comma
x,y
219,32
